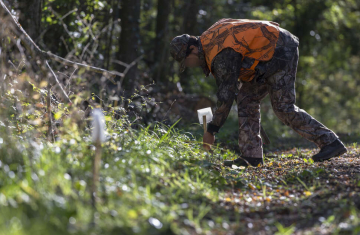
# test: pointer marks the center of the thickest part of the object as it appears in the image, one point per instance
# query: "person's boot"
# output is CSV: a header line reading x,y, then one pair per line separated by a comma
x,y
244,161
334,149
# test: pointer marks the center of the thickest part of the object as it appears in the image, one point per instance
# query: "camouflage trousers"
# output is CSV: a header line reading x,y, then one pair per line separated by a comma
x,y
281,88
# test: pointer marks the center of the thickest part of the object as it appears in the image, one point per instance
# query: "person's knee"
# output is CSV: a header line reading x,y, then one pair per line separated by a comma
x,y
284,107
285,113
283,117
293,116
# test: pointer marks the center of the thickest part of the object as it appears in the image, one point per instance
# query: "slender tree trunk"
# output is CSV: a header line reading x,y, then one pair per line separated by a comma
x,y
30,17
162,39
109,44
190,14
129,40
191,9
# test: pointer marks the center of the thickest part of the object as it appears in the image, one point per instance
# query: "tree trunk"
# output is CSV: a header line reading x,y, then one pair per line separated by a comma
x,y
190,14
129,40
191,9
30,17
110,36
162,40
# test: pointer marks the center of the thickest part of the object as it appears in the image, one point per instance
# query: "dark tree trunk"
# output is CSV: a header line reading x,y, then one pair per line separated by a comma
x,y
191,9
129,40
190,14
162,39
110,37
30,17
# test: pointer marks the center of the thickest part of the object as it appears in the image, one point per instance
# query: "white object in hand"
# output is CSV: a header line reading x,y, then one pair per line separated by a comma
x,y
98,134
205,112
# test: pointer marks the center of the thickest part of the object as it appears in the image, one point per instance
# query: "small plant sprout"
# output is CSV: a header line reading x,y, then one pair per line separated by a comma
x,y
98,137
205,116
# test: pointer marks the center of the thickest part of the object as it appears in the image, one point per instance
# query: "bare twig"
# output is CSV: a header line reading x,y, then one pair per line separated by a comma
x,y
127,67
118,73
63,74
48,102
57,81
89,26
120,63
12,64
106,73
69,13
66,46
169,110
69,80
61,19
96,38
63,24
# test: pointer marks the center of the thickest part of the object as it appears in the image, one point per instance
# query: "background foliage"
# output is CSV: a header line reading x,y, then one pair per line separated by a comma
x,y
327,82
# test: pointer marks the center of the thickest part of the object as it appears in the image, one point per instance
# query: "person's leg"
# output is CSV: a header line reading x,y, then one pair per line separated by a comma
x,y
250,143
248,102
282,95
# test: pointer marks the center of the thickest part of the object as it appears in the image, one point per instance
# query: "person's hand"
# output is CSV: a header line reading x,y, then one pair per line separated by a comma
x,y
208,140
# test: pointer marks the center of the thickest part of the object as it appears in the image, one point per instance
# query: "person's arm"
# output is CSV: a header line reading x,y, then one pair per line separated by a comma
x,y
226,69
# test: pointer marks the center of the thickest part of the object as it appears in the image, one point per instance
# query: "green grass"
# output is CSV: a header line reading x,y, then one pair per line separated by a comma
x,y
157,180
154,179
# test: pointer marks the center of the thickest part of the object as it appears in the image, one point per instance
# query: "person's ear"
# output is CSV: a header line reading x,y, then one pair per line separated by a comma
x,y
193,48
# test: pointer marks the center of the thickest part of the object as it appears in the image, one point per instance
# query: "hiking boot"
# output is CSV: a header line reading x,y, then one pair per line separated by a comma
x,y
244,161
334,149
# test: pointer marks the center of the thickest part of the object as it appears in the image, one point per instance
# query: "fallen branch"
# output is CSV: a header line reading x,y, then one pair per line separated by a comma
x,y
109,74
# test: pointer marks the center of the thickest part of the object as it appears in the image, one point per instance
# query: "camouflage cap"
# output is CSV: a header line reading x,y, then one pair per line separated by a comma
x,y
178,47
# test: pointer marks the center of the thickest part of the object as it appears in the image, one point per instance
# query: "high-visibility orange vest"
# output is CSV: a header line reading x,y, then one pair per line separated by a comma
x,y
252,38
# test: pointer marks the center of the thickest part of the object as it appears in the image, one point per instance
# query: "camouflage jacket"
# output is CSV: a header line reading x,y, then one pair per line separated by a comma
x,y
226,67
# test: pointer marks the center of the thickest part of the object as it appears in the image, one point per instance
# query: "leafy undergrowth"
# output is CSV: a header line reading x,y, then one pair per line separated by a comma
x,y
157,180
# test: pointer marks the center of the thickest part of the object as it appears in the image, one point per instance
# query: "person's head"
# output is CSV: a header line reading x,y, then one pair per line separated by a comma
x,y
184,49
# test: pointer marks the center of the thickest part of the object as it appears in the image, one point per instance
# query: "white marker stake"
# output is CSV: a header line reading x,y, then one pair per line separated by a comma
x,y
204,123
205,115
98,137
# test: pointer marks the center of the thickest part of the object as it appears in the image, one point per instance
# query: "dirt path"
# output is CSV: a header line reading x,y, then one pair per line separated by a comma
x,y
292,194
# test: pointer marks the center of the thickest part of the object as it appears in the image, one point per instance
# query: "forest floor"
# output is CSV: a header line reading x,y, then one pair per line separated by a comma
x,y
291,194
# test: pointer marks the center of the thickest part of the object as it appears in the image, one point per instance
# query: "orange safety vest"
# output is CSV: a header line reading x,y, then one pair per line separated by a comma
x,y
252,38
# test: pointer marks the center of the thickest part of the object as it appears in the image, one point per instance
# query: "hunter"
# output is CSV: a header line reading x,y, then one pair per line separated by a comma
x,y
250,59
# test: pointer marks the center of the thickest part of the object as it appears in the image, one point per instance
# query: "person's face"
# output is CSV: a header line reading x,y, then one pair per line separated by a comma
x,y
192,60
